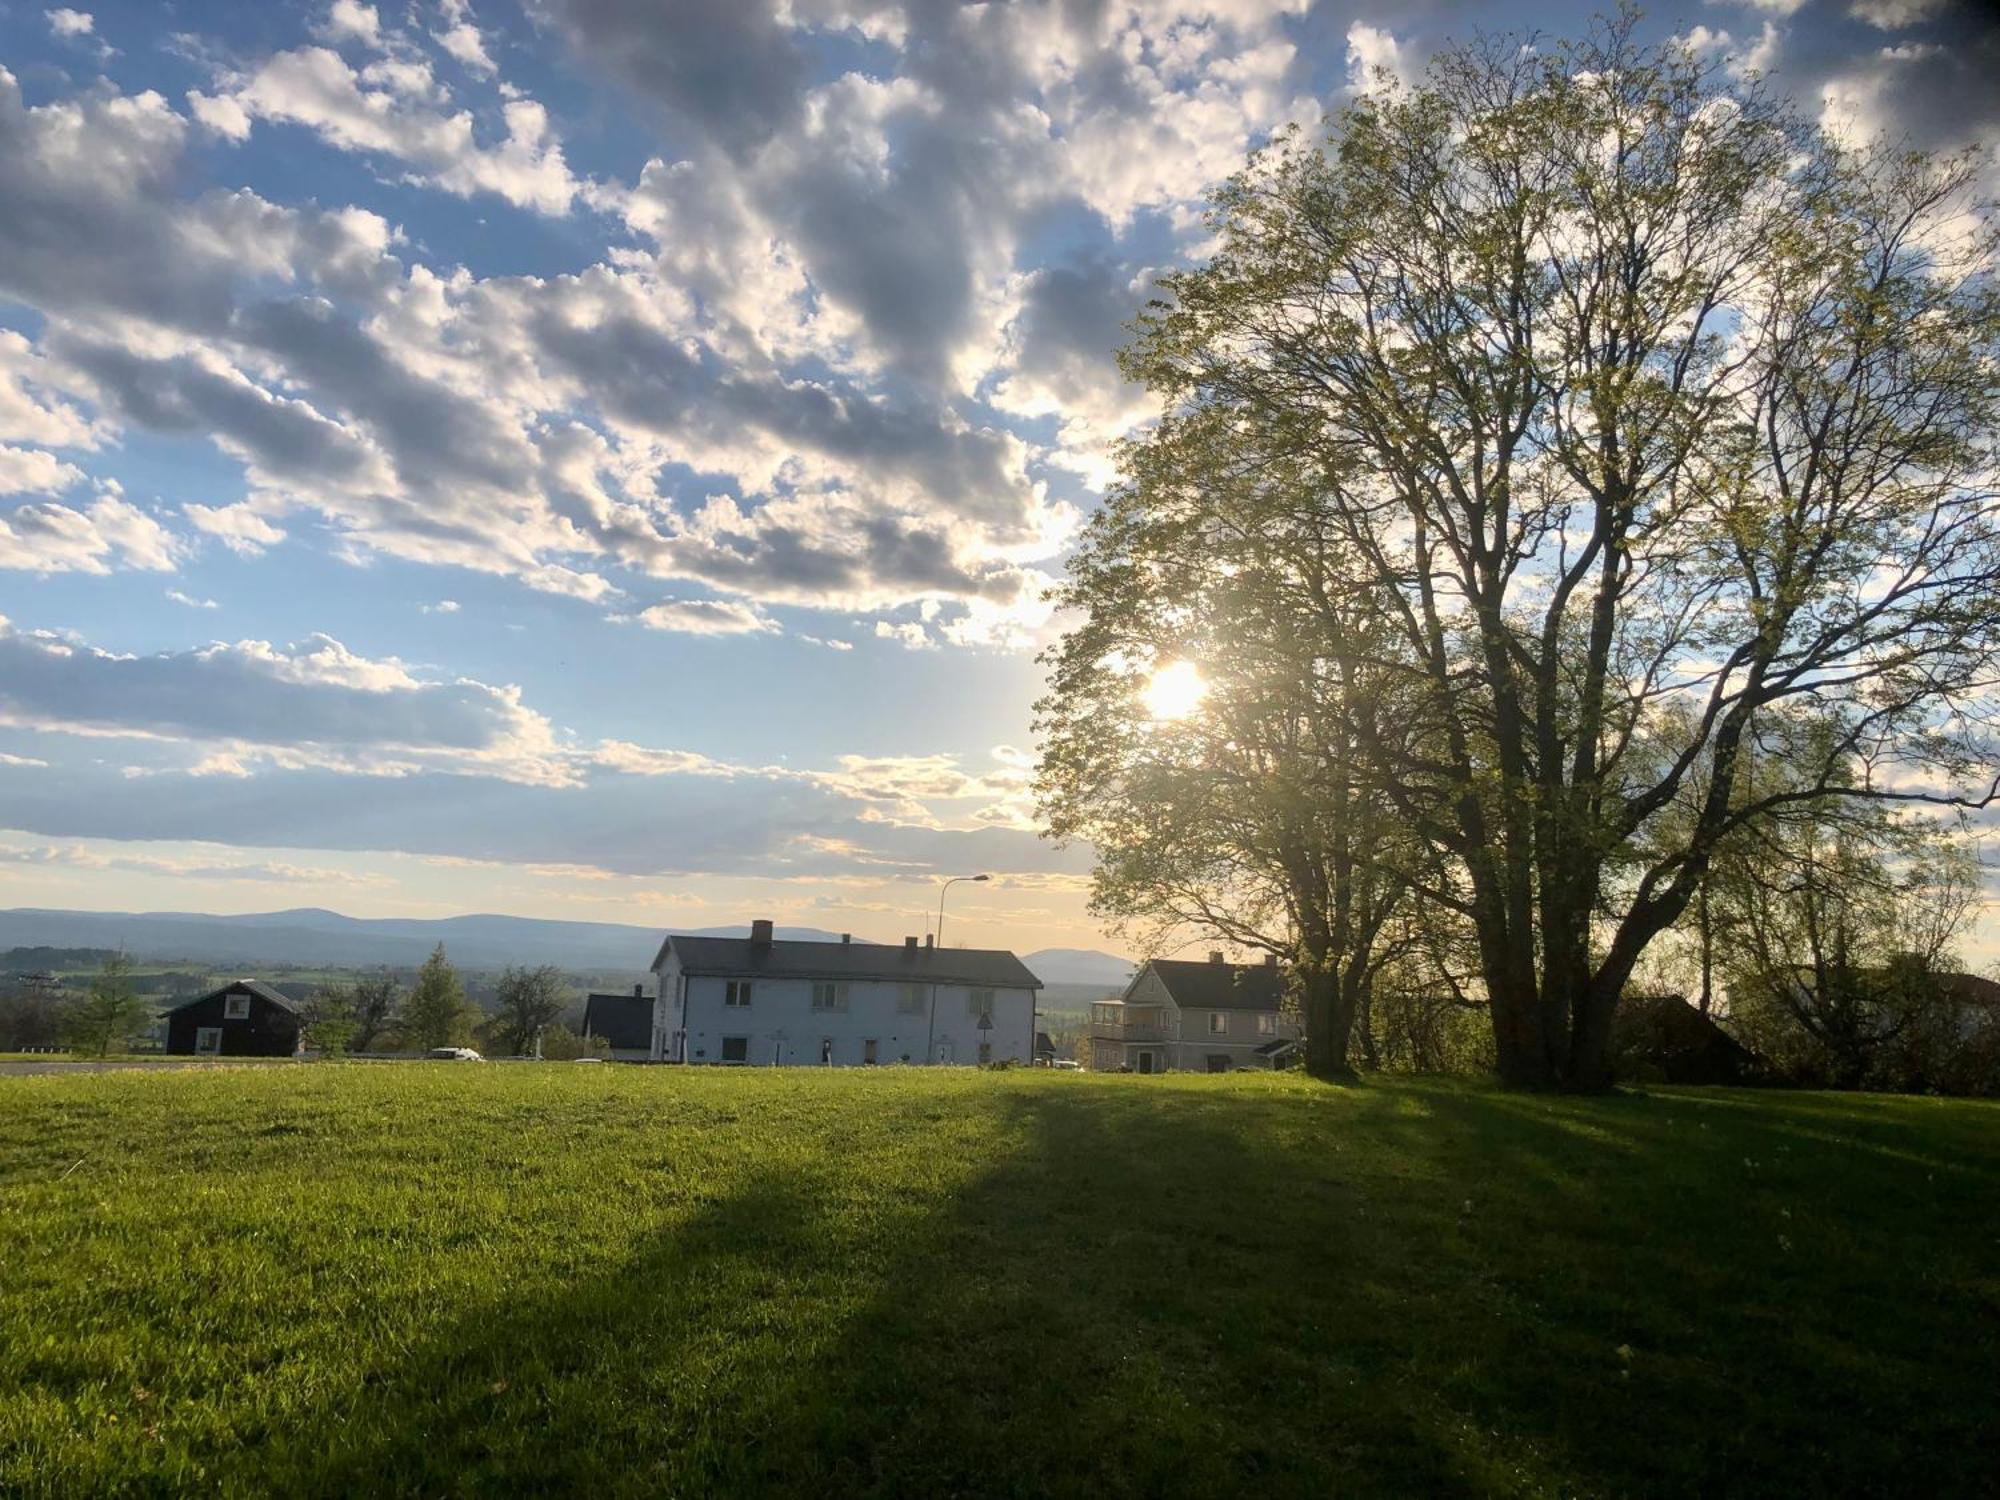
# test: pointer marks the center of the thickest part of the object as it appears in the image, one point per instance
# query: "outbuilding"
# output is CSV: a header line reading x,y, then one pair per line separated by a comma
x,y
245,1018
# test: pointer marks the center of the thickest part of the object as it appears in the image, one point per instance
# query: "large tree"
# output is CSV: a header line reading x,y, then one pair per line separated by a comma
x,y
528,1001
110,1012
437,1014
1240,813
1647,412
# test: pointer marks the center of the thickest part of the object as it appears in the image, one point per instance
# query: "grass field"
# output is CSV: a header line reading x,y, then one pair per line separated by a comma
x,y
342,1280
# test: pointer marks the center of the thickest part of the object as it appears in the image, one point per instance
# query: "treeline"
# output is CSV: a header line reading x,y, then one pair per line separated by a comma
x,y
1573,496
371,1012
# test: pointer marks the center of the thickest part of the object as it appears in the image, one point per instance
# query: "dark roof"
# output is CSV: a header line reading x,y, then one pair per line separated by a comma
x,y
1044,1044
255,987
622,1020
1200,986
798,960
1273,1049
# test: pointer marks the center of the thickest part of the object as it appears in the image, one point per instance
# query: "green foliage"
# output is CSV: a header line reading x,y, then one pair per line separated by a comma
x,y
437,1014
529,1000
110,1013
1530,449
327,1019
375,1000
336,1280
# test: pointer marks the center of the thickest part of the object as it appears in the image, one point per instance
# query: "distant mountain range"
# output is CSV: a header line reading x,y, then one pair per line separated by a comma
x,y
310,936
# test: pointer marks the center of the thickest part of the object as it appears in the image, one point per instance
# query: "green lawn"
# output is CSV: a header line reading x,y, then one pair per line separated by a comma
x,y
340,1280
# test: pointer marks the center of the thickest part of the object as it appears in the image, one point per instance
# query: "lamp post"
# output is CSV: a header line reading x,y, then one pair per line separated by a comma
x,y
930,1041
947,886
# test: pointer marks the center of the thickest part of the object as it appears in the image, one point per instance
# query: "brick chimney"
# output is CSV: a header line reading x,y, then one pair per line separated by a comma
x,y
760,932
1215,955
1270,960
929,941
909,945
846,938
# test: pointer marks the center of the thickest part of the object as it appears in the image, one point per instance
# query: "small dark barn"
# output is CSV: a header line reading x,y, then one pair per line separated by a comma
x,y
1664,1039
623,1021
245,1018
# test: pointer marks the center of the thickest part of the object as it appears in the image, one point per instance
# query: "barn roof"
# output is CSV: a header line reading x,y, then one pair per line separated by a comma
x,y
255,987
625,1021
1214,986
792,959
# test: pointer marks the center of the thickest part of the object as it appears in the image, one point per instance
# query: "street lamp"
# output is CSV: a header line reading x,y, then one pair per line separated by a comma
x,y
930,1042
947,886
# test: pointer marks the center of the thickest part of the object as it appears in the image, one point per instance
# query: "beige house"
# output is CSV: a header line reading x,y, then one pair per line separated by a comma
x,y
1212,1017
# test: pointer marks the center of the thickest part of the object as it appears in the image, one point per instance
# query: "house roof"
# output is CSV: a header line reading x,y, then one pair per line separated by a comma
x,y
622,1020
1277,1048
791,959
1044,1044
1210,986
255,987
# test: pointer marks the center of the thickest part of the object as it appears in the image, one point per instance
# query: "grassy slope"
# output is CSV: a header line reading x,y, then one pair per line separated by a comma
x,y
344,1279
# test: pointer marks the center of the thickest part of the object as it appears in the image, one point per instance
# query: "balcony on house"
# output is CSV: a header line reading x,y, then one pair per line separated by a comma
x,y
1115,1021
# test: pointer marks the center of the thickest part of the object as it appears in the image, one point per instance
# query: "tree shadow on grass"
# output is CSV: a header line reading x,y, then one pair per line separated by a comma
x,y
1194,1289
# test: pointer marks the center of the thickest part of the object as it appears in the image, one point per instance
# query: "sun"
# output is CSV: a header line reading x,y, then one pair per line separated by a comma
x,y
1173,691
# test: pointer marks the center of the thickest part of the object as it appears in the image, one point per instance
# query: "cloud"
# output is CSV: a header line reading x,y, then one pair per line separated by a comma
x,y
106,534
347,20
386,110
238,527
1894,15
67,22
1373,53
30,471
190,601
313,703
442,607
461,38
261,872
705,617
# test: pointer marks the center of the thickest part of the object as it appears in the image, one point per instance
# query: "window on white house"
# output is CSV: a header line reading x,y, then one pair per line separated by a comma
x,y
208,1039
868,1052
236,1007
828,995
911,999
1267,1024
736,1049
1218,1023
979,1003
736,993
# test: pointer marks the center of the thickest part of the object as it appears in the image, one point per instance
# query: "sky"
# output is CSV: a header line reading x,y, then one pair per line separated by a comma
x,y
604,459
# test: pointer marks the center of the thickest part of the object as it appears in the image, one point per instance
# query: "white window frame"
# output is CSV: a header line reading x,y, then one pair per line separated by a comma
x,y
735,1061
1218,1023
235,1007
736,994
829,995
209,1034
1267,1024
913,999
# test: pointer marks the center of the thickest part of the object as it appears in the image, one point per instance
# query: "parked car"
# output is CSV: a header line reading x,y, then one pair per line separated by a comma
x,y
1067,1065
452,1054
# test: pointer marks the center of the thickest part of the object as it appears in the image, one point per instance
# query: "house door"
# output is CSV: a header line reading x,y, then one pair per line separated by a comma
x,y
1145,1062
208,1039
826,1051
944,1052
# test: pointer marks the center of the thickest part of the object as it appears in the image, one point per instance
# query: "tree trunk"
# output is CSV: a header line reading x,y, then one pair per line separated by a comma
x,y
1329,1017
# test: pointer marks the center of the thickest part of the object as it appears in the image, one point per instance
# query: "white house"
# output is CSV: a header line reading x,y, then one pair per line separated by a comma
x,y
763,1003
1215,1017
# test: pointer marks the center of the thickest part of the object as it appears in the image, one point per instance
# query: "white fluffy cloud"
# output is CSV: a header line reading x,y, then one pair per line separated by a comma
x,y
392,109
108,533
